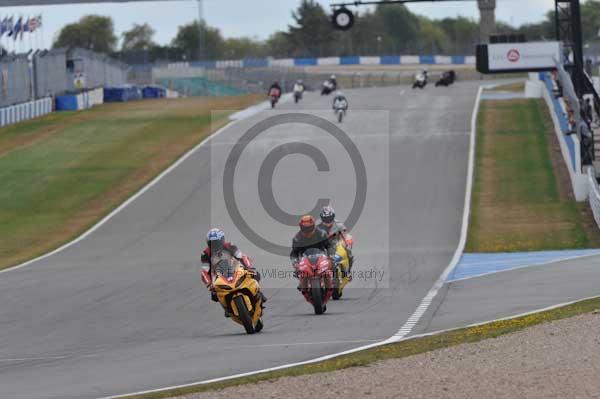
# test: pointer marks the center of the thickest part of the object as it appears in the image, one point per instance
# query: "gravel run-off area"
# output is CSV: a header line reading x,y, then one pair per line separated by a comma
x,y
559,359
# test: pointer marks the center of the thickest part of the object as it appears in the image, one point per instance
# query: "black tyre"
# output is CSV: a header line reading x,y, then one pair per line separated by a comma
x,y
244,315
340,117
259,326
337,293
316,294
272,103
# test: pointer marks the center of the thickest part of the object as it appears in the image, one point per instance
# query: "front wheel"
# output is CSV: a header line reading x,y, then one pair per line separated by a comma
x,y
272,103
316,294
243,314
259,326
340,116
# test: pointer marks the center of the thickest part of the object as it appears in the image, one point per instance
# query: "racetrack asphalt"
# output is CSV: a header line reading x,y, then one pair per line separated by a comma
x,y
124,310
513,292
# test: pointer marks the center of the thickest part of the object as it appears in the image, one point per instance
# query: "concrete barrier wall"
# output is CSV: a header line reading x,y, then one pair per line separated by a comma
x,y
594,194
569,143
25,111
81,101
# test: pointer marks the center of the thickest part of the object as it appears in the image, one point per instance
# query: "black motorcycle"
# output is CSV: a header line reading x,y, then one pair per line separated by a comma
x,y
447,78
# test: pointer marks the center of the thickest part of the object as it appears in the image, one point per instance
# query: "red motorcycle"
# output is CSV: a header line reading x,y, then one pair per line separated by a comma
x,y
274,94
315,273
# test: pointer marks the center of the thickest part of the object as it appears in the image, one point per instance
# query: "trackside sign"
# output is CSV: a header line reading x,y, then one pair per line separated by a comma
x,y
518,57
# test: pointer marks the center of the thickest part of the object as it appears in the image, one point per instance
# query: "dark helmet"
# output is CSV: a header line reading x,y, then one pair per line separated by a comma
x,y
215,239
307,225
327,215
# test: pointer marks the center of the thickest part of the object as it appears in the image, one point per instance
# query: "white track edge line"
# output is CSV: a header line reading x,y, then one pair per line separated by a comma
x,y
388,341
127,202
405,329
426,302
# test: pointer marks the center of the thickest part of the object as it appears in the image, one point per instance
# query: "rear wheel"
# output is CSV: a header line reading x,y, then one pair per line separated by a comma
x,y
317,296
243,314
337,277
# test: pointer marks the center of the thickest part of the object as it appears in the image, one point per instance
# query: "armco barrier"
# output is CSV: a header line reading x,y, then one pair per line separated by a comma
x,y
78,102
305,61
427,59
121,94
153,92
25,111
328,61
349,60
68,102
389,60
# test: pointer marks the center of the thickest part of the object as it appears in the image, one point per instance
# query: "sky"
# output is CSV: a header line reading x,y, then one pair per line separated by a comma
x,y
254,18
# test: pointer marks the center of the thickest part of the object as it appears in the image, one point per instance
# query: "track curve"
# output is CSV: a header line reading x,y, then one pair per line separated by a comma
x,y
123,310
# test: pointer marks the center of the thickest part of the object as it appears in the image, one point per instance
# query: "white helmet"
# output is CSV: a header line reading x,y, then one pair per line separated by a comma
x,y
339,94
332,76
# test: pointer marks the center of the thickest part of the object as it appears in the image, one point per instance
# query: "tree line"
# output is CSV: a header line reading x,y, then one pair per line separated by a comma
x,y
385,29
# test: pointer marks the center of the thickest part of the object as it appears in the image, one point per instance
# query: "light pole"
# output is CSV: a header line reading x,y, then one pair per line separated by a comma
x,y
200,30
379,39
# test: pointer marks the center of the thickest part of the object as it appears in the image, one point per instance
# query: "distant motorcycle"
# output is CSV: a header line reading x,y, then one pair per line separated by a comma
x,y
274,95
340,112
420,80
446,79
316,278
327,88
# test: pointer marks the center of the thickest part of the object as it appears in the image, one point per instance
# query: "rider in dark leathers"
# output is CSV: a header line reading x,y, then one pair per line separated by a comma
x,y
275,86
310,237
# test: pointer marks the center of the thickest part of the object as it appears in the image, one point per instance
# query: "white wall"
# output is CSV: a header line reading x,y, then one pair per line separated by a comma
x,y
25,111
579,180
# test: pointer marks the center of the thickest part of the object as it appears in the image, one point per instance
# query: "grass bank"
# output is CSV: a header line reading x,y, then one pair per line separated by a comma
x,y
396,351
522,198
61,173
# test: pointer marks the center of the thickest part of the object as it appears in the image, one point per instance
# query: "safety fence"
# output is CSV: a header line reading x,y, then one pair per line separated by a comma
x,y
40,74
15,80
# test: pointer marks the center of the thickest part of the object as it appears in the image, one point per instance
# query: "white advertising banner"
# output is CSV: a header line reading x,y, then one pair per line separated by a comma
x,y
523,56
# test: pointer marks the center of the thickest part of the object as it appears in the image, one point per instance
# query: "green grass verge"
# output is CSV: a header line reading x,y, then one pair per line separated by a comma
x,y
517,204
396,351
518,87
62,173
